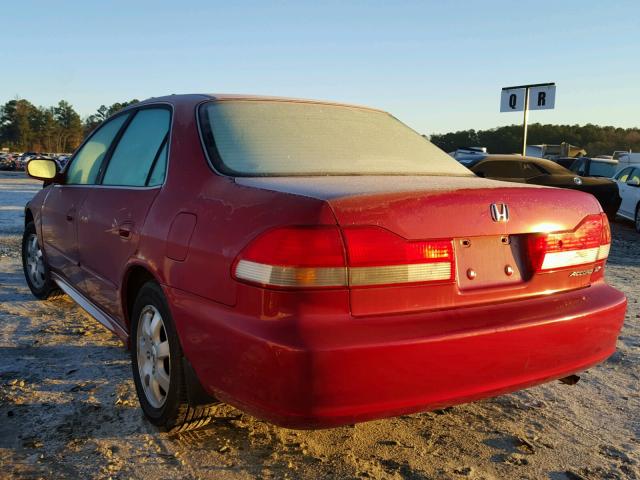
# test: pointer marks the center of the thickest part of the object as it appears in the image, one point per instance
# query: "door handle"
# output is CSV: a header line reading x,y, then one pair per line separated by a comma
x,y
70,215
124,230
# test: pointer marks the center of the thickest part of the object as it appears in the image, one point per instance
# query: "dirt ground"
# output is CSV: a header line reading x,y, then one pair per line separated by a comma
x,y
68,407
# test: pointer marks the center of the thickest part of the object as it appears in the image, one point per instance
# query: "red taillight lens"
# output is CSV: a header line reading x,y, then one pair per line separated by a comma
x,y
313,257
294,257
298,247
374,246
377,256
587,243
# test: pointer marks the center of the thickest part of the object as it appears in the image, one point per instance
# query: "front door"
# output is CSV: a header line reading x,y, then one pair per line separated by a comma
x,y
112,217
59,229
64,201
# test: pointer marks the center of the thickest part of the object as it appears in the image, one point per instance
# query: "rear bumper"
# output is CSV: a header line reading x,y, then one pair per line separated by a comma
x,y
316,374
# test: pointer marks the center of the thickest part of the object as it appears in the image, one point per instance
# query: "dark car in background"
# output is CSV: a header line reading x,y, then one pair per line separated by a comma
x,y
539,171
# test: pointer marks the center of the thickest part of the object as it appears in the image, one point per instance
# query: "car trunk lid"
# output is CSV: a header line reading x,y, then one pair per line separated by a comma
x,y
491,255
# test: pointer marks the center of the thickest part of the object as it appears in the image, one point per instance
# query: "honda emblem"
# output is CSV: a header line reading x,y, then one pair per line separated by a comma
x,y
499,212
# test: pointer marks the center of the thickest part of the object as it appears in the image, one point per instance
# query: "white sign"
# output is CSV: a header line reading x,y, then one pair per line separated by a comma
x,y
512,100
542,98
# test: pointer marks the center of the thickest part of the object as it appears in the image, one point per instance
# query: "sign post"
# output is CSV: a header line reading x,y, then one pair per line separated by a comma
x,y
522,98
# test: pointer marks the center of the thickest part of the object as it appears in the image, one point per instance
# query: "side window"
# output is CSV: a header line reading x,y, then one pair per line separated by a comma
x,y
530,170
85,165
579,167
139,148
501,169
624,174
634,176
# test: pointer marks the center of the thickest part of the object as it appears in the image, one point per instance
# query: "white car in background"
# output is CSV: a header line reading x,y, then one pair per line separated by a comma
x,y
629,186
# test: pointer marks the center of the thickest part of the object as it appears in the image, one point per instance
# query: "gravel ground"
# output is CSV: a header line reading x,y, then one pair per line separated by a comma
x,y
68,407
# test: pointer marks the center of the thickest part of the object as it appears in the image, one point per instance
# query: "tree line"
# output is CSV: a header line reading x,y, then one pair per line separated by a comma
x,y
26,127
596,140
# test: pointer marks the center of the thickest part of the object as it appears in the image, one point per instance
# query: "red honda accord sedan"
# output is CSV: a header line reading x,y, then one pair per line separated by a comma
x,y
315,264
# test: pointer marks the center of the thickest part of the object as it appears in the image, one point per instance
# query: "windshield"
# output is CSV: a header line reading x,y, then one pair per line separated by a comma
x,y
284,138
602,169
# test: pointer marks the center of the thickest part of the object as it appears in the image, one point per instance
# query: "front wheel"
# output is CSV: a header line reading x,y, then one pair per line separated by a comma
x,y
34,266
637,222
156,359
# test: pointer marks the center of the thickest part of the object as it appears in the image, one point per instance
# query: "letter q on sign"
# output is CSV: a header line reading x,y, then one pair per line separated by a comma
x,y
512,100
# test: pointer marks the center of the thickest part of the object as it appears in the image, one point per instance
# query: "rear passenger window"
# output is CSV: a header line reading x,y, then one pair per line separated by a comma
x,y
85,165
501,169
157,175
530,170
139,149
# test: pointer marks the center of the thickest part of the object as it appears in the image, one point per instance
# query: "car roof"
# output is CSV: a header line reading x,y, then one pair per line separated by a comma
x,y
604,160
512,158
175,99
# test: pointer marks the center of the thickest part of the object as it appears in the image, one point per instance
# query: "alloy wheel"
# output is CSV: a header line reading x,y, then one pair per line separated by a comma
x,y
35,262
154,365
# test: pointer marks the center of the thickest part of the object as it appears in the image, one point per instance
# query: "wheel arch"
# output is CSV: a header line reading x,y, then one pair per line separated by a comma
x,y
28,216
135,277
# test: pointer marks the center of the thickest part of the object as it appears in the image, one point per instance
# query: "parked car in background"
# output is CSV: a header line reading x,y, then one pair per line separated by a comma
x,y
627,159
628,180
22,160
315,264
539,171
594,167
469,156
62,160
7,163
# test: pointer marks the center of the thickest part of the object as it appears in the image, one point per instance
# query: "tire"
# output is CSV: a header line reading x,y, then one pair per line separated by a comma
x,y
637,219
35,268
157,364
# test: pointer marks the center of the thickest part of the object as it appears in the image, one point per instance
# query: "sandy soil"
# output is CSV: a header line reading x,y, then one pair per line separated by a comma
x,y
68,408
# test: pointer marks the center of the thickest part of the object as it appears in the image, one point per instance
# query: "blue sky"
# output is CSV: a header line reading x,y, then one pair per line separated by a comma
x,y
437,65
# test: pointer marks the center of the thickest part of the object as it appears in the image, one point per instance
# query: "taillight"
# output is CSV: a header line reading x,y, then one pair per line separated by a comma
x,y
294,257
587,243
377,257
314,257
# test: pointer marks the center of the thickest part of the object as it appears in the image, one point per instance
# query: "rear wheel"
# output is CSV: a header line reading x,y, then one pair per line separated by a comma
x,y
34,266
156,359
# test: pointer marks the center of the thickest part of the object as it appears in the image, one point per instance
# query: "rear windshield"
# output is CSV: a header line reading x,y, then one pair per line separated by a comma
x,y
284,138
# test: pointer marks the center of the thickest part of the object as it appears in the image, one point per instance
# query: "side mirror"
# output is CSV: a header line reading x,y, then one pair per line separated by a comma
x,y
43,169
634,182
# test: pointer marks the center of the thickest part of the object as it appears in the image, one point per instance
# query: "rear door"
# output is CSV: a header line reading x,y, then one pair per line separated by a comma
x,y
624,189
632,193
113,214
60,209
